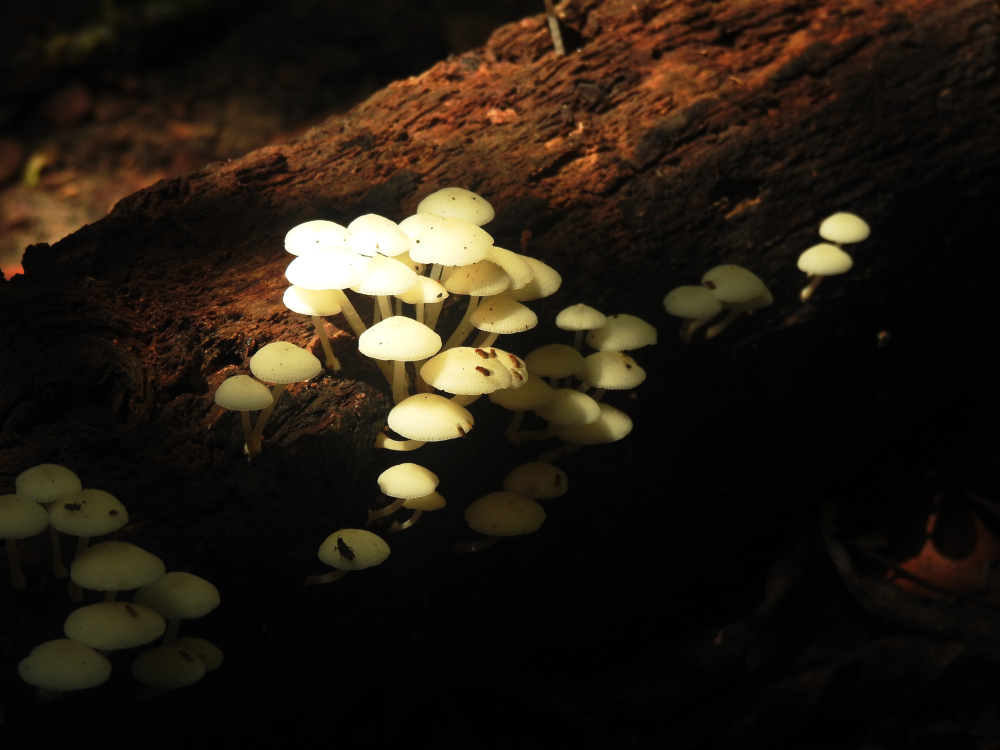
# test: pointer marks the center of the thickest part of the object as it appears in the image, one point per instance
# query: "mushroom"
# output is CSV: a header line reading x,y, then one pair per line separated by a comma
x,y
111,626
244,394
696,304
537,480
820,261
317,304
178,596
399,340
56,666
20,518
166,668
615,371
115,566
458,203
612,425
403,482
622,333
580,318
739,291
500,514
45,484
281,363
86,514
425,418
347,550
844,228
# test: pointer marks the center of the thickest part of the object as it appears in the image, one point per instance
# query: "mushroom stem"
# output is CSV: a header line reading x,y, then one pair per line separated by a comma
x,y
514,426
553,21
464,327
806,293
331,361
17,580
109,596
253,446
74,591
171,635
723,324
397,526
373,515
578,340
384,307
58,566
325,578
691,325
561,452
258,429
349,313
400,392
383,441
476,546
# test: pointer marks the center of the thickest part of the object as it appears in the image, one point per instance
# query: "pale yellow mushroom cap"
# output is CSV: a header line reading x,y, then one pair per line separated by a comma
x,y
110,626
327,268
371,234
482,279
569,407
88,513
115,566
467,371
282,362
533,394
399,339
692,302
451,242
243,393
179,596
46,483
504,514
503,315
411,226
613,371
407,480
580,317
458,203
314,235
544,281
365,549
516,267
168,668
386,277
622,333
319,302
537,480
825,259
425,290
210,654
554,361
844,228
21,517
612,425
515,366
730,283
430,417
64,664
430,501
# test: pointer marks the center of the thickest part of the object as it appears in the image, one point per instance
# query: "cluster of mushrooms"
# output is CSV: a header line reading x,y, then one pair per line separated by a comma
x,y
737,290
51,496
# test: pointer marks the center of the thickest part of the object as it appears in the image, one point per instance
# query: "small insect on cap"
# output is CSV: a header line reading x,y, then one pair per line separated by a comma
x,y
466,370
353,549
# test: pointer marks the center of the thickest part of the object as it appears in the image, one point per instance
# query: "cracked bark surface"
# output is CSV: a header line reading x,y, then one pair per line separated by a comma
x,y
674,137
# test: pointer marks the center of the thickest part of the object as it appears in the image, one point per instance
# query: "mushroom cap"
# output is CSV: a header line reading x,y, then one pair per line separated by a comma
x,y
46,483
532,395
502,314
692,303
554,361
612,425
425,290
613,371
243,393
621,333
64,664
430,501
407,480
168,667
88,513
314,235
514,265
568,407
465,370
515,366
825,259
385,277
429,417
451,242
761,300
458,203
115,566
730,283
504,514
580,317
368,549
399,339
537,480
371,234
320,302
844,228
327,268
282,362
179,596
210,654
110,626
411,226
19,517
544,281
480,279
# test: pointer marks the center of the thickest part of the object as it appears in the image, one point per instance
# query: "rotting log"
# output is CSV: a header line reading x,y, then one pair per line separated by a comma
x,y
674,136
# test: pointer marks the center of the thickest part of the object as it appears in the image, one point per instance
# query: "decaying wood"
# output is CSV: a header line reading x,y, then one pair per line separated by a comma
x,y
673,136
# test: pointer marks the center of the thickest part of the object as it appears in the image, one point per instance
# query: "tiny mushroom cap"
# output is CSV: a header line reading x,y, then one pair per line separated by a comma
x,y
386,276
692,302
64,664
502,314
313,235
545,281
407,480
467,371
515,366
21,517
179,596
567,407
611,426
613,371
451,242
622,333
516,267
46,483
430,501
88,513
115,566
844,228
537,480
504,514
732,284
168,667
580,317
371,234
110,626
210,654
825,259
363,549
327,268
430,418
532,395
319,302
282,362
411,226
554,361
426,291
399,339
480,279
458,203
243,393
